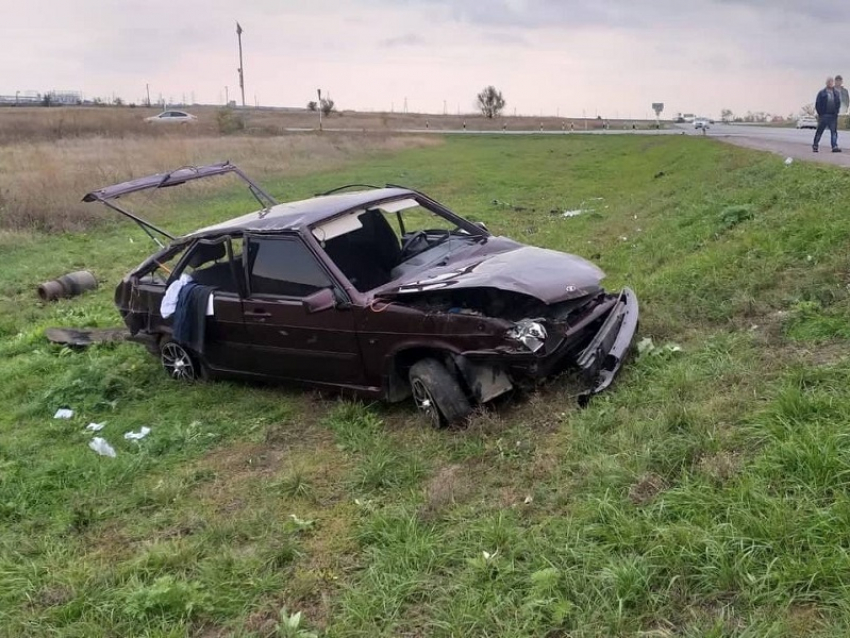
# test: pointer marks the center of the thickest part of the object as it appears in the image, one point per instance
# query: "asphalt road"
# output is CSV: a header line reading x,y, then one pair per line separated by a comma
x,y
788,142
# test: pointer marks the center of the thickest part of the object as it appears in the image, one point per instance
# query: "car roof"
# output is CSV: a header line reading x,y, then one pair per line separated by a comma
x,y
293,216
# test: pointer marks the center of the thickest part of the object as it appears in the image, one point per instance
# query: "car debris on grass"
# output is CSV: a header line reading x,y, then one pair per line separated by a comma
x,y
381,291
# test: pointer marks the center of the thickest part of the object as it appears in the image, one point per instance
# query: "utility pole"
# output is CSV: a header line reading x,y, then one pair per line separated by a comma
x,y
148,90
226,95
241,67
444,107
405,105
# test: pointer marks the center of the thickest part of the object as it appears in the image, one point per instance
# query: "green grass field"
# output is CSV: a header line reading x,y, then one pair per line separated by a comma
x,y
706,494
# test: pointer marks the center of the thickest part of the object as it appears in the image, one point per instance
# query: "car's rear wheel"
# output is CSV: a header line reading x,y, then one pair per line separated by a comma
x,y
437,393
178,363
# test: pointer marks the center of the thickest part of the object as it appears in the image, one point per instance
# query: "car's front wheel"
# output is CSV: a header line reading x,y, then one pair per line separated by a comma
x,y
437,393
178,363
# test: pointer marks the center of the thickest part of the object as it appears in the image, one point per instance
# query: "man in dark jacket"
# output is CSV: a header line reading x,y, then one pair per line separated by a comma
x,y
845,98
828,105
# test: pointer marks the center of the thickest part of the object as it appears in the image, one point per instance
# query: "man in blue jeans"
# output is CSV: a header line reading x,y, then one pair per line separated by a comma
x,y
828,105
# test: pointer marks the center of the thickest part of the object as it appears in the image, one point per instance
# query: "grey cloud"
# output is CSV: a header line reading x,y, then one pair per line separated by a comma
x,y
625,13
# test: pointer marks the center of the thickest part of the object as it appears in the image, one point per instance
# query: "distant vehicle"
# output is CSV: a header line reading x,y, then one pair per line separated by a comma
x,y
172,117
689,117
807,121
701,123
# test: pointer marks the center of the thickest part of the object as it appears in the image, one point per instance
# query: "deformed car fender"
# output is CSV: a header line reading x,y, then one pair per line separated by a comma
x,y
485,381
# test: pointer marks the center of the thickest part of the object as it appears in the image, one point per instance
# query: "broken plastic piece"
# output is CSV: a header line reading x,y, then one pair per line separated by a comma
x,y
135,436
530,333
63,413
103,448
95,427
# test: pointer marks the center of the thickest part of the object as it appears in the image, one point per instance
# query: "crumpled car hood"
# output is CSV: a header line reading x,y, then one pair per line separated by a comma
x,y
547,275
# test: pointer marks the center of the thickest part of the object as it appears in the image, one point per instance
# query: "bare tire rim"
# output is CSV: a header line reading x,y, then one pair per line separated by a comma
x,y
177,363
425,402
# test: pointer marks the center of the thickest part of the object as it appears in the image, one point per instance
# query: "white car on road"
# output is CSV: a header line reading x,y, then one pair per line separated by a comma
x,y
701,122
172,117
807,121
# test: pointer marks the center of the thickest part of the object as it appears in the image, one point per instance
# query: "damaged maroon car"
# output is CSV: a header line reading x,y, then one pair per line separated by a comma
x,y
382,291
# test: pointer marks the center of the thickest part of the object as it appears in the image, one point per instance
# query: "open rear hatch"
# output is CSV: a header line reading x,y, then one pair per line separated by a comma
x,y
109,194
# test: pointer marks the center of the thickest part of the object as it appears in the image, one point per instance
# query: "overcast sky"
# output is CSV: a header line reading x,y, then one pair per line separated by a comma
x,y
612,57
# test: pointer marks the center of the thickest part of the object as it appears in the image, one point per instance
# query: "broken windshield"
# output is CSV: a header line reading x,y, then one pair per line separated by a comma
x,y
370,245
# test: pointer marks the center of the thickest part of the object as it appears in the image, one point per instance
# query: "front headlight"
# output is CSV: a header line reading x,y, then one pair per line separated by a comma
x,y
530,333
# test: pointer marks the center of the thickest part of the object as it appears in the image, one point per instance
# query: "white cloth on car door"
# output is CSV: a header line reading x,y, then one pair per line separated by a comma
x,y
172,294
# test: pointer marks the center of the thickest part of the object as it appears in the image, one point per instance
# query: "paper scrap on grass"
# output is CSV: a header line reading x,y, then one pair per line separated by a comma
x,y
95,427
135,436
647,346
63,413
103,448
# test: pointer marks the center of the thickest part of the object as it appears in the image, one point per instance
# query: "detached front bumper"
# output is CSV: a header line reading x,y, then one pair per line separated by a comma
x,y
603,357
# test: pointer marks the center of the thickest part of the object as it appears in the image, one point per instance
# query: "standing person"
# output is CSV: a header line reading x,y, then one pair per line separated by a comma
x,y
844,93
827,105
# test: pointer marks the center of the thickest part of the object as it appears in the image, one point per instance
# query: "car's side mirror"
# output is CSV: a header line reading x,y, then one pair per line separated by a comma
x,y
481,225
320,300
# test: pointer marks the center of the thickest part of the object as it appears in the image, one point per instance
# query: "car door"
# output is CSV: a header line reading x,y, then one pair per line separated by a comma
x,y
217,263
289,342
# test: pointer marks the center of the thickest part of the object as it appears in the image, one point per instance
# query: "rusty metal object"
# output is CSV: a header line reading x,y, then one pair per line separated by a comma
x,y
70,285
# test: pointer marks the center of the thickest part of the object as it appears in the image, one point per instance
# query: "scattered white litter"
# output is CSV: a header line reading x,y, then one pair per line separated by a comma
x,y
488,556
624,238
789,161
100,446
647,346
528,500
301,523
135,436
95,427
572,213
63,413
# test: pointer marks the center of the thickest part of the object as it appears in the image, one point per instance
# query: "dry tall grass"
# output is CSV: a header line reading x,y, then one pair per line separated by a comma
x,y
41,183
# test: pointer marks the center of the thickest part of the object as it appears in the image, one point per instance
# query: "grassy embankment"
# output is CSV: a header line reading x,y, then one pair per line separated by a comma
x,y
705,495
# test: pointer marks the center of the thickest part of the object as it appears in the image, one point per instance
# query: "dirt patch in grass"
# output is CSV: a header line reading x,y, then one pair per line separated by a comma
x,y
722,466
53,596
646,489
448,484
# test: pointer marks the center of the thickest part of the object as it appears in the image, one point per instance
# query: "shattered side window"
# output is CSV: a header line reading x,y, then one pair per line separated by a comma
x,y
162,268
209,265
